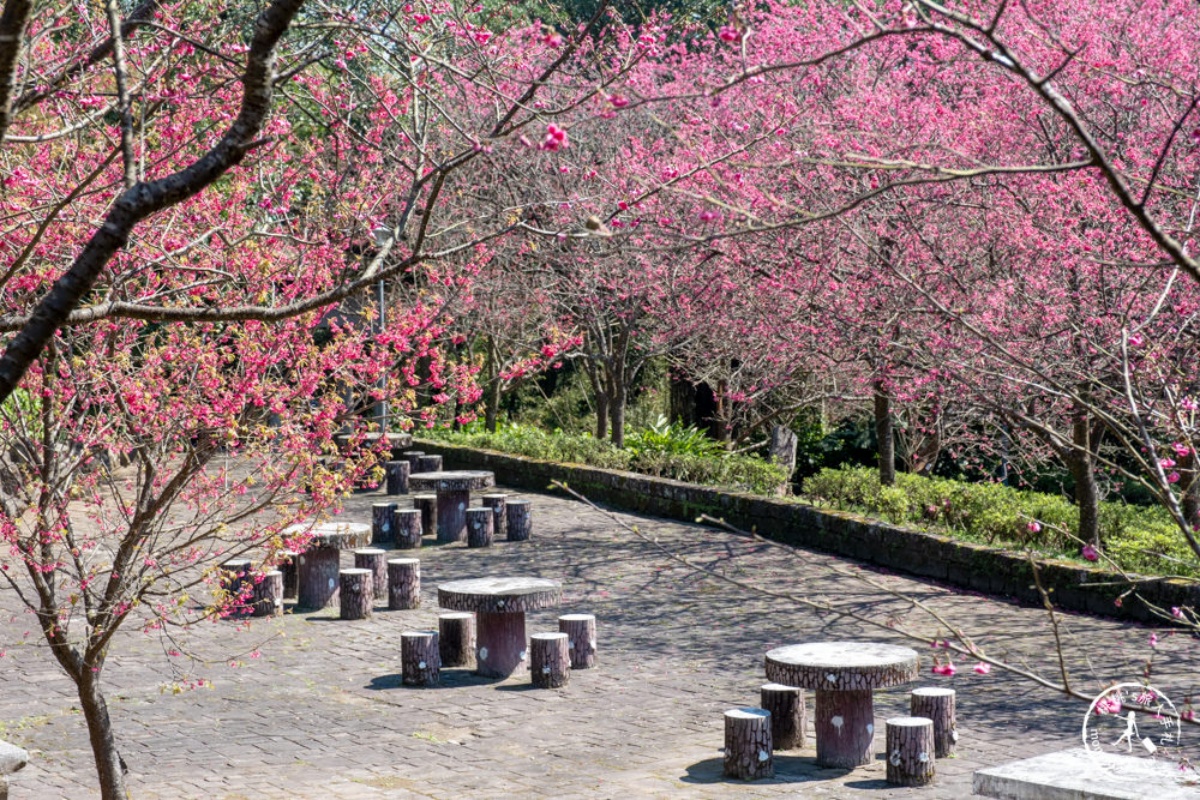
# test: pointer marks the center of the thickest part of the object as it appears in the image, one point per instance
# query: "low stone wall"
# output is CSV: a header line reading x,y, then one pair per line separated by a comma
x,y
1004,573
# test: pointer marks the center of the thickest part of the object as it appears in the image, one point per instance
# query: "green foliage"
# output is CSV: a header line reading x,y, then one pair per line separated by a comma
x,y
1139,540
527,440
670,438
734,472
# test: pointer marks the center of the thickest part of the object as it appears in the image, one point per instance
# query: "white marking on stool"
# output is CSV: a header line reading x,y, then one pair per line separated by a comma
x,y
420,665
763,755
895,758
923,757
831,678
331,583
837,722
546,670
483,654
870,729
521,655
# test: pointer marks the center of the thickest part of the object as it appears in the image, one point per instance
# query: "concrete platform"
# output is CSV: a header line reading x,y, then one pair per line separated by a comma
x,y
1080,775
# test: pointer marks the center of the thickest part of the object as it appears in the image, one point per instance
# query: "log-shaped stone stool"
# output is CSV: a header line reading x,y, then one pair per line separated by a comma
x,y
456,639
788,715
480,521
496,502
396,474
518,519
357,595
453,496
420,664
581,638
318,566
429,464
748,744
406,522
404,584
842,677
374,559
411,457
268,595
427,505
500,605
12,759
237,582
910,755
549,660
937,704
381,523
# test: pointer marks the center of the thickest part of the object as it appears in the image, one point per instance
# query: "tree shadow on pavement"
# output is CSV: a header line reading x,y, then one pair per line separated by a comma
x,y
788,769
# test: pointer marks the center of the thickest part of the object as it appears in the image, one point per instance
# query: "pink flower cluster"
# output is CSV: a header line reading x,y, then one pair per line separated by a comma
x,y
556,138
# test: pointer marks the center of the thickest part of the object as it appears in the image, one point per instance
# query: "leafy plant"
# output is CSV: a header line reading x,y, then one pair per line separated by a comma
x,y
670,438
1140,540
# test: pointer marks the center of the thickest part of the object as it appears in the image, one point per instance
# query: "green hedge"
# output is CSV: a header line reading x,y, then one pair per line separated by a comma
x,y
735,472
1139,540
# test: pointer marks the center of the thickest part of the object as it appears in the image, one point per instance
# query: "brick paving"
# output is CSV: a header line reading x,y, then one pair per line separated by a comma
x,y
321,713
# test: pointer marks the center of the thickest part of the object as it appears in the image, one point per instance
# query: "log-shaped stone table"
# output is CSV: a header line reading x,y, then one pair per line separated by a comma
x,y
318,566
397,442
842,677
453,496
500,605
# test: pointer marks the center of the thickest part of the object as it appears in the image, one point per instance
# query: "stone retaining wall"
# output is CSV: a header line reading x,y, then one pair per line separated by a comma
x,y
966,564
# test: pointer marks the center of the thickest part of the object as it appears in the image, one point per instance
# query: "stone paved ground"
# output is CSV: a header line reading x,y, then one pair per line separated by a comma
x,y
321,713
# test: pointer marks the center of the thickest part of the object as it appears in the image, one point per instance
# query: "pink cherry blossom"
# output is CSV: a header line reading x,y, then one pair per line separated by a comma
x,y
1090,553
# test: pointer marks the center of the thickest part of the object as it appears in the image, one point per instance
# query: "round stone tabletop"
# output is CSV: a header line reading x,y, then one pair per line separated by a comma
x,y
842,666
342,535
499,595
453,481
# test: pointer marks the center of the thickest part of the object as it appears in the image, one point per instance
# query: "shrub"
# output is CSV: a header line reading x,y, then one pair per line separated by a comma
x,y
1138,539
673,455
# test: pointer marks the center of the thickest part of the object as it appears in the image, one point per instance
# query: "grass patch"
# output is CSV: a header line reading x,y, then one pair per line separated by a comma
x,y
1138,539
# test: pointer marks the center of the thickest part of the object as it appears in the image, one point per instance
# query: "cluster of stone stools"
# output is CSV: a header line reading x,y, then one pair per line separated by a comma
x,y
843,676
448,511
551,656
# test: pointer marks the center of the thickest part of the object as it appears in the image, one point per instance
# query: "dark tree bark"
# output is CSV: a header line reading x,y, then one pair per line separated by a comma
x,y
146,198
884,435
104,745
1082,464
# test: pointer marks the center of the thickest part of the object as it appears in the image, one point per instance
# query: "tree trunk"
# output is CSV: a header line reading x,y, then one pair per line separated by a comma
x,y
494,390
884,436
617,412
1083,470
601,416
104,746
1190,502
